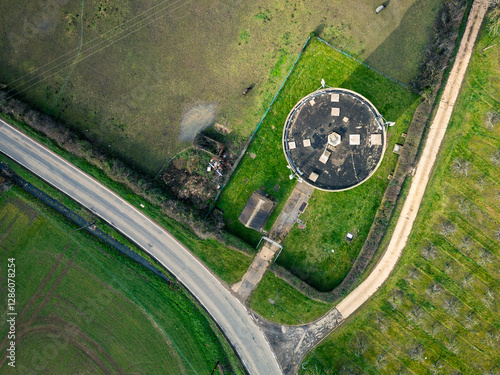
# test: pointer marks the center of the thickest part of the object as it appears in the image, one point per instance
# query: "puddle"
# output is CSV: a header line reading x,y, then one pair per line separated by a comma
x,y
197,118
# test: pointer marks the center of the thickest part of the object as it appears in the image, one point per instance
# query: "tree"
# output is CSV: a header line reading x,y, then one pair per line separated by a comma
x,y
451,305
491,121
359,344
467,280
434,289
452,344
470,321
447,228
416,352
448,268
415,314
466,244
397,298
484,257
494,19
413,275
495,158
461,167
381,361
429,252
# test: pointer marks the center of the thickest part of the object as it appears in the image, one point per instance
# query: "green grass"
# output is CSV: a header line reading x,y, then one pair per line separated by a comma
x,y
289,305
84,308
131,96
308,253
226,263
439,310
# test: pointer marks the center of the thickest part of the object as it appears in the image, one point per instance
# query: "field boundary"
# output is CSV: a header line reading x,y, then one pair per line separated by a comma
x,y
249,141
361,62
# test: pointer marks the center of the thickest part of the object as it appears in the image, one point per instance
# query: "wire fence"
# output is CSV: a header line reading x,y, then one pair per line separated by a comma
x,y
361,62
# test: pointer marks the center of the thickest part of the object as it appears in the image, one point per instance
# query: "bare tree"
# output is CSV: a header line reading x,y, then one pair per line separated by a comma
x,y
466,244
495,158
435,289
381,361
435,328
381,322
413,275
359,344
448,268
470,321
481,183
416,314
397,298
461,167
436,367
464,205
416,352
467,280
451,305
452,344
429,252
484,257
491,121
488,298
447,228
491,338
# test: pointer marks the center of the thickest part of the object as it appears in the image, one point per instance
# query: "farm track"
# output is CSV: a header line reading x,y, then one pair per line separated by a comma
x,y
424,168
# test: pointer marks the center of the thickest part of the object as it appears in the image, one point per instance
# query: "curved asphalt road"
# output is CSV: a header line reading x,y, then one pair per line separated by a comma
x,y
231,316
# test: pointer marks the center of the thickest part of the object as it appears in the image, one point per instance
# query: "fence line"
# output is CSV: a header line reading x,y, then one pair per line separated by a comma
x,y
260,122
361,62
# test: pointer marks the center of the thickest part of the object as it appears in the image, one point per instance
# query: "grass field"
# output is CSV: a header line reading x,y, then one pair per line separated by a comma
x,y
140,88
82,308
439,311
307,253
288,306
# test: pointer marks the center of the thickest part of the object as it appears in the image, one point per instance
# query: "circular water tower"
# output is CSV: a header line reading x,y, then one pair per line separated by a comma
x,y
334,139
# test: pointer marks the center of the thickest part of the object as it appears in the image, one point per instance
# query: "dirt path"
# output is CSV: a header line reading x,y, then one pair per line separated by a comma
x,y
284,223
423,172
291,343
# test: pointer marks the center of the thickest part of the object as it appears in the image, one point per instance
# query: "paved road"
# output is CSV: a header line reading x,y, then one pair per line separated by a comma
x,y
423,172
231,316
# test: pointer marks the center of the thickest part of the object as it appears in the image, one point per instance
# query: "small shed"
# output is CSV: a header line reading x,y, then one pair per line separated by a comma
x,y
257,211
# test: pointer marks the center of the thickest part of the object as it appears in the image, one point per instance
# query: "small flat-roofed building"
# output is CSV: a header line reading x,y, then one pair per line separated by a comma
x,y
325,156
313,176
354,139
376,139
307,142
257,211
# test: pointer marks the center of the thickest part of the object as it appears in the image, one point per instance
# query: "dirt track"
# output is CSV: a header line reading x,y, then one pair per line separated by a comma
x,y
423,172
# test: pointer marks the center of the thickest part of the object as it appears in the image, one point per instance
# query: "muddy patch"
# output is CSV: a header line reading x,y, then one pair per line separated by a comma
x,y
197,118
